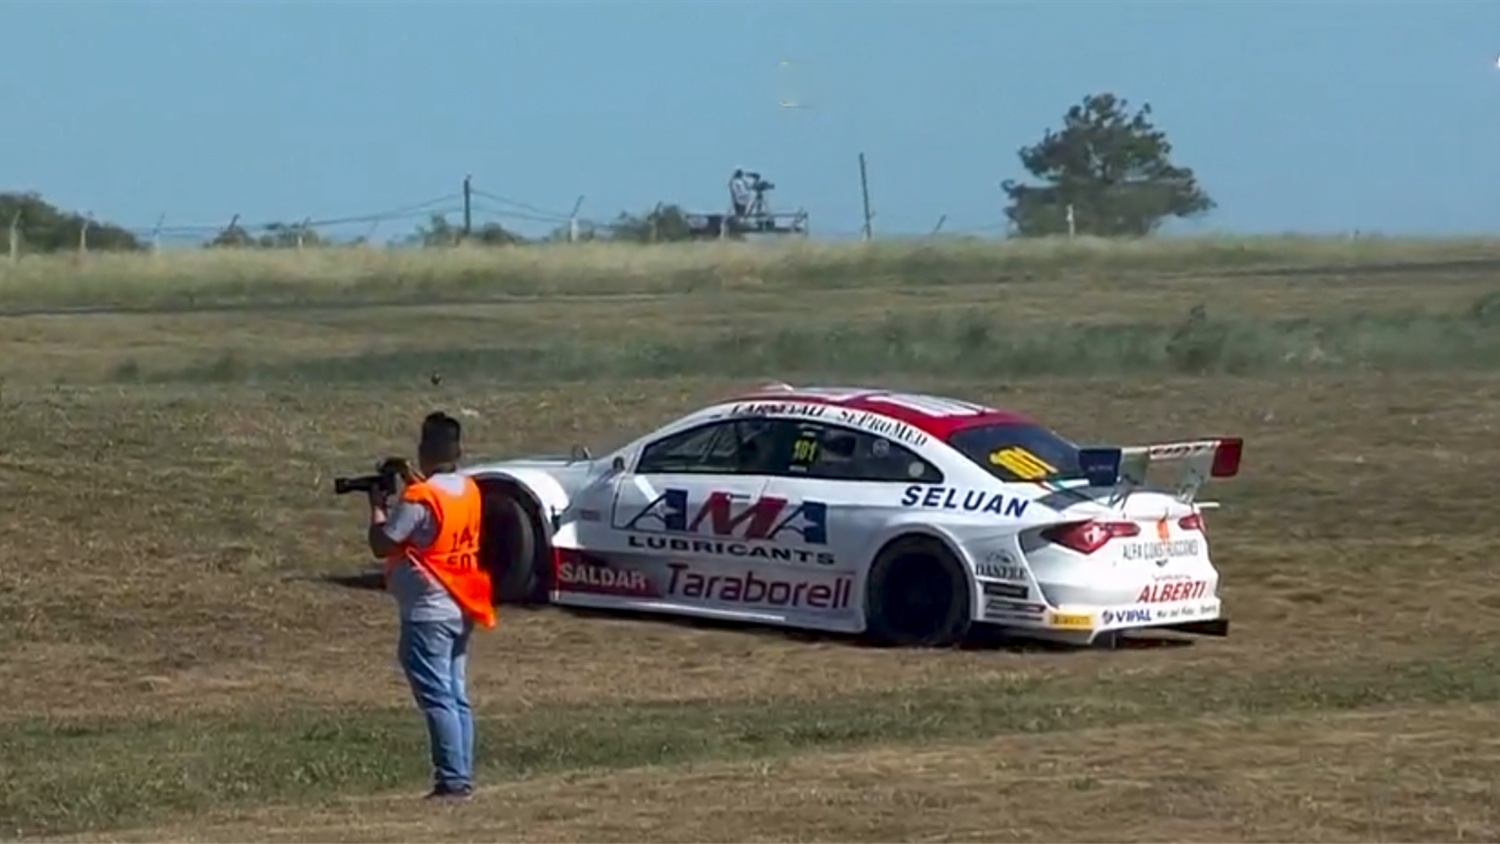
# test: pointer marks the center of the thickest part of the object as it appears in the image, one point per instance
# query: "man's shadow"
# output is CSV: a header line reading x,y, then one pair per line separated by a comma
x,y
372,581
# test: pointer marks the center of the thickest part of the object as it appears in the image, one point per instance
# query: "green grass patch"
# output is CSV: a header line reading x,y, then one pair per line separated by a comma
x,y
59,776
198,279
950,344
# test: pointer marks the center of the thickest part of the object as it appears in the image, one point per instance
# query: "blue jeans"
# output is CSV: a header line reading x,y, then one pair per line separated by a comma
x,y
434,655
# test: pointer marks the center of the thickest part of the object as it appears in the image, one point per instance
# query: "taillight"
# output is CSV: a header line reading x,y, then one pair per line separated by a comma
x,y
1192,521
1088,537
1227,458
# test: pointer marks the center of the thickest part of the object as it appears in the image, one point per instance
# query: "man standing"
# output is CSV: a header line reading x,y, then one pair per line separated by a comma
x,y
739,193
430,542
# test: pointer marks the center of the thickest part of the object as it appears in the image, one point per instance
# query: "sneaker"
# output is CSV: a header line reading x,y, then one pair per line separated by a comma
x,y
451,792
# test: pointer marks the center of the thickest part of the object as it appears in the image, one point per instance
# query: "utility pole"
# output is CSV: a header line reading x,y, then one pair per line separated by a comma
x,y
864,189
15,237
573,220
468,215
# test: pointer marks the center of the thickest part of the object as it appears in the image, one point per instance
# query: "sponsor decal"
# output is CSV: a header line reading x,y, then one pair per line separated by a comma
x,y
972,500
601,579
1007,590
1182,590
739,523
1128,615
873,423
999,572
749,590
1013,610
742,550
1071,621
1200,611
780,408
1016,606
1022,463
882,426
1160,550
1170,451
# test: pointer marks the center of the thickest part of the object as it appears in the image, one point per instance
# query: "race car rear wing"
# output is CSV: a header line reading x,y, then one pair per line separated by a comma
x,y
1126,469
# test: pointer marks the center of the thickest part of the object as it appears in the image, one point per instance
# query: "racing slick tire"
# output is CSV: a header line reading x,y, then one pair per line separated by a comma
x,y
513,546
917,595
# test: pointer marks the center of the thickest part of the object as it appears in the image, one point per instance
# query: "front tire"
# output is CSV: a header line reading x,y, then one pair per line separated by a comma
x,y
514,548
917,595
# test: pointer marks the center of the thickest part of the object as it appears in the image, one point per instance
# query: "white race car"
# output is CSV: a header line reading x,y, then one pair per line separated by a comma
x,y
908,518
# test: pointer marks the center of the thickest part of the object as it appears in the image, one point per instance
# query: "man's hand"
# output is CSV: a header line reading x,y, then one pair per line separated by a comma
x,y
380,543
377,504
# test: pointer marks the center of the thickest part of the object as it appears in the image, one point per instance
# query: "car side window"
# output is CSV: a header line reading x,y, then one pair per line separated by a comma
x,y
740,446
832,452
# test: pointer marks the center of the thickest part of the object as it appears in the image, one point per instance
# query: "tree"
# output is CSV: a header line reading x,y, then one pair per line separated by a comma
x,y
494,234
276,236
438,231
42,227
1112,167
663,224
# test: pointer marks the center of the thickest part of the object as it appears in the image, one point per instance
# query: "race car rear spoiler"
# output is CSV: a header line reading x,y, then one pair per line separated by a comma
x,y
1126,468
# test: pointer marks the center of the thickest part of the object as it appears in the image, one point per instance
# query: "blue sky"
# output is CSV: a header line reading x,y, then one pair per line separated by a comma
x,y
1298,116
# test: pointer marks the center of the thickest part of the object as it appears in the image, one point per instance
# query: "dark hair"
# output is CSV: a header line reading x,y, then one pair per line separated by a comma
x,y
441,438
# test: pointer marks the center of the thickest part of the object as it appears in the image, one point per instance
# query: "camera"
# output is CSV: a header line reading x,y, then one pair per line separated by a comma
x,y
384,484
757,183
383,481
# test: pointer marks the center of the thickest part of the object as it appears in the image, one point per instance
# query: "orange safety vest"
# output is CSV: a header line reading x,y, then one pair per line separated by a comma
x,y
453,557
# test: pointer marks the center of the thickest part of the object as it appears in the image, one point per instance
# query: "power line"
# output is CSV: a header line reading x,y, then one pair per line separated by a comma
x,y
493,206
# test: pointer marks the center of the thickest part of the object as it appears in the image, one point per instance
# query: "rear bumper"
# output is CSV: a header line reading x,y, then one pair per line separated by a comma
x,y
1084,625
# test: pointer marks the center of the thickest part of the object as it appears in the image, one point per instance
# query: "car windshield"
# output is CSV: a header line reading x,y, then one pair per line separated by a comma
x,y
1019,452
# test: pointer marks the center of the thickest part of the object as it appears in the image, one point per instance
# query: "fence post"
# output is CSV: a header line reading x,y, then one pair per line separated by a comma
x,y
15,237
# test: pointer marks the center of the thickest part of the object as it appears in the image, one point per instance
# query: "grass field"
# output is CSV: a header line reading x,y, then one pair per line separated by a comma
x,y
183,663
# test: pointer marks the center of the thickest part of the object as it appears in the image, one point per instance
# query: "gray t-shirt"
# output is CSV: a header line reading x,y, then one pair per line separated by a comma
x,y
418,595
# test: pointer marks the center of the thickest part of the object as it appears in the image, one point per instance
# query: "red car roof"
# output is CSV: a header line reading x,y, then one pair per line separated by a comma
x,y
935,416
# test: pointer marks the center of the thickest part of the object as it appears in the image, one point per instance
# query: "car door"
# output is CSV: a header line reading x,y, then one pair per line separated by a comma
x,y
851,480
689,498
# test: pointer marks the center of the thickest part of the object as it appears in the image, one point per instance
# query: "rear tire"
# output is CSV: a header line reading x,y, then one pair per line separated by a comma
x,y
918,595
513,546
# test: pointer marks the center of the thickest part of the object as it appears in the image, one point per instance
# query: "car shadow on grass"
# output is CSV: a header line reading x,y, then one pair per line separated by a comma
x,y
980,639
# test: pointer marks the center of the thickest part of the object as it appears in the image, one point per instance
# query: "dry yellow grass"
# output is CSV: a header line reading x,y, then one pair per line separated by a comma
x,y
89,347
191,278
179,668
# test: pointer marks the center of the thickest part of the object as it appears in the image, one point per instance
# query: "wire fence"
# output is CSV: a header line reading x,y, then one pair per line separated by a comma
x,y
470,212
